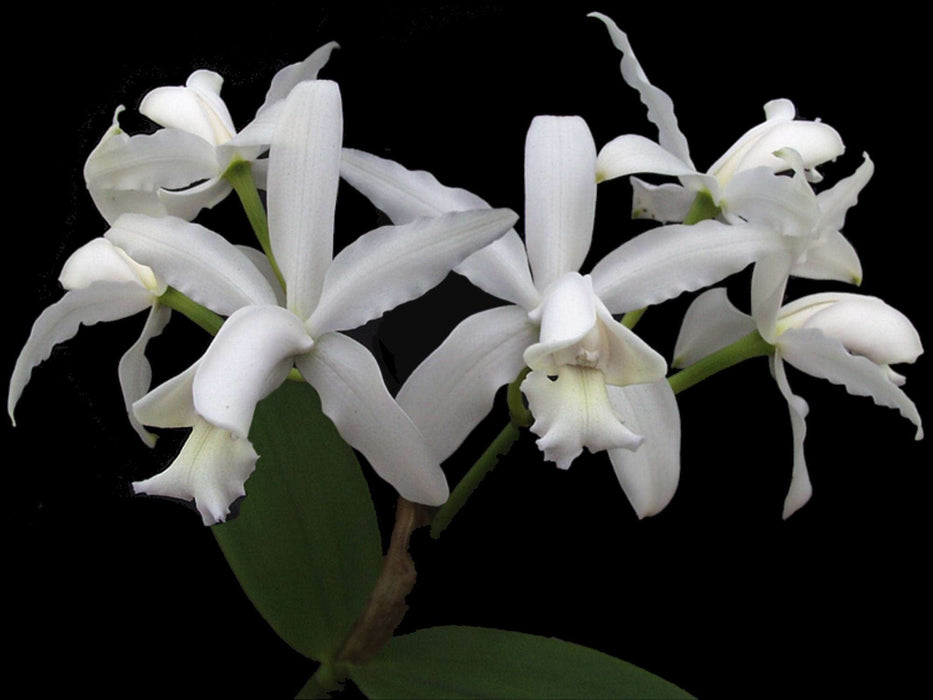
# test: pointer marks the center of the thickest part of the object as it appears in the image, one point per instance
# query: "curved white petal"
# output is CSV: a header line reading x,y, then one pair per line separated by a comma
x,y
248,359
168,158
662,263
171,404
99,260
560,196
304,172
819,355
829,257
867,326
577,329
197,262
186,203
836,201
195,108
453,389
800,488
710,324
134,371
659,104
666,203
567,315
631,153
101,301
211,469
785,204
284,81
261,263
258,133
354,397
394,264
769,283
573,411
816,142
650,474
501,268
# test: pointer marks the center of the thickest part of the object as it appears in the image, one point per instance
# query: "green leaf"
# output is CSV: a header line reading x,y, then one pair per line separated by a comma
x,y
305,546
476,662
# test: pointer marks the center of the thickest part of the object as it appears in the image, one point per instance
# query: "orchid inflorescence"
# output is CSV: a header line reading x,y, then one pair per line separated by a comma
x,y
579,375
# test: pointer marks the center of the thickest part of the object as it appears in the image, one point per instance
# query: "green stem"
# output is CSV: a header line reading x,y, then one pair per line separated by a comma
x,y
632,317
326,680
201,315
240,177
468,484
752,345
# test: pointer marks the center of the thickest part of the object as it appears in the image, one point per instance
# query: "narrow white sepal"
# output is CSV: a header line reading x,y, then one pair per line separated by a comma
x,y
800,488
453,389
710,324
560,196
395,264
134,371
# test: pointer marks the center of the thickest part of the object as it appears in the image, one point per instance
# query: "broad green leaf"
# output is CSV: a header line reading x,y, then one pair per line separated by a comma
x,y
476,662
305,546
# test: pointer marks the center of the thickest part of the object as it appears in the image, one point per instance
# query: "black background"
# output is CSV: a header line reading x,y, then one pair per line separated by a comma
x,y
128,595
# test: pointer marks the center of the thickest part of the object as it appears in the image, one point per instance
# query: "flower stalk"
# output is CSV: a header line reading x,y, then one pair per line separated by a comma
x,y
240,177
751,345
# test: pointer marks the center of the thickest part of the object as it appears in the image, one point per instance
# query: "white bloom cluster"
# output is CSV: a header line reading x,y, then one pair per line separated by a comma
x,y
591,381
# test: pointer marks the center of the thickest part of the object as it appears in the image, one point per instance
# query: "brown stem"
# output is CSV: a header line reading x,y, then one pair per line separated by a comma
x,y
386,605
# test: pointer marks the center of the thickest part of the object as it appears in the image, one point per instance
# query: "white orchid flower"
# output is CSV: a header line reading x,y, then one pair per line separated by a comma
x,y
848,339
104,282
629,154
178,170
609,391
260,344
808,224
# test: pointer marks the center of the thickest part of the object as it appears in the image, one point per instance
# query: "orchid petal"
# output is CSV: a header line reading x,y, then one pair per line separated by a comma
x,y
710,324
660,264
769,283
304,172
835,202
168,158
195,108
830,257
261,263
785,204
572,412
134,371
99,260
453,389
171,404
800,487
197,262
631,153
666,203
186,203
248,359
354,397
500,268
211,469
99,302
819,355
566,315
648,475
394,264
560,196
868,326
816,143
284,81
659,104
630,360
